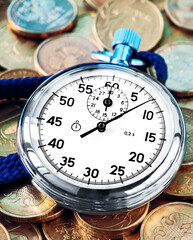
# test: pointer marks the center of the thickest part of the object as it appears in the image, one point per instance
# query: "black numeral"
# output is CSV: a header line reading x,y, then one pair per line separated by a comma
x,y
134,96
85,88
67,161
136,157
118,170
150,137
91,172
148,115
114,85
56,143
67,101
55,121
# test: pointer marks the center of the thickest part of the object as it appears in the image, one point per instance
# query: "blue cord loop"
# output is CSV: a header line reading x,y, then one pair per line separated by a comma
x,y
157,61
11,167
19,87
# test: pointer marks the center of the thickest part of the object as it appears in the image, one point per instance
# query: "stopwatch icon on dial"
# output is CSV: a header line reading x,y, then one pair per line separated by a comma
x,y
107,102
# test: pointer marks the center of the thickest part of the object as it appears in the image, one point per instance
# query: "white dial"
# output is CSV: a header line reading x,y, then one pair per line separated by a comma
x,y
107,101
100,128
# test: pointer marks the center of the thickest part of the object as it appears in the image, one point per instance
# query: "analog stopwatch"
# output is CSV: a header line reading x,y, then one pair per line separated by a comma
x,y
102,137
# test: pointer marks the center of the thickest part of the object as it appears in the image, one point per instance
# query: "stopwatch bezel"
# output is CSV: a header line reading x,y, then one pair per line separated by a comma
x,y
95,200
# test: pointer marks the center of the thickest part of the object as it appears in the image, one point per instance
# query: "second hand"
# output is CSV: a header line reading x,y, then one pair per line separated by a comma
x,y
111,120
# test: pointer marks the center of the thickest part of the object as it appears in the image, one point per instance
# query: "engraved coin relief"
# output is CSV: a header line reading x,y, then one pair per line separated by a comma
x,y
171,221
37,18
26,203
135,14
26,196
175,226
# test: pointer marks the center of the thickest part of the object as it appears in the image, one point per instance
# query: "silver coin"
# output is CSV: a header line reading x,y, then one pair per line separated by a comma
x,y
179,58
180,12
40,18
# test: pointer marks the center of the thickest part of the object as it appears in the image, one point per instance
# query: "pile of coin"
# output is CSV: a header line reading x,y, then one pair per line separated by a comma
x,y
42,37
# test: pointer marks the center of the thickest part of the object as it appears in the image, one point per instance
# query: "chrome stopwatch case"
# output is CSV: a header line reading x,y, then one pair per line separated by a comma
x,y
101,137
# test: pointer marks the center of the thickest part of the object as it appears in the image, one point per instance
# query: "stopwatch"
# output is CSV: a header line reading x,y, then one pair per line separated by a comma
x,y
102,137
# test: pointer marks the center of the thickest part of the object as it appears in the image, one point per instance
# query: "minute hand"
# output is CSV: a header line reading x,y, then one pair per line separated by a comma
x,y
113,119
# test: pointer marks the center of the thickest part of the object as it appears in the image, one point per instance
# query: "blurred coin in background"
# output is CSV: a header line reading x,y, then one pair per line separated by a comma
x,y
159,4
15,51
140,15
41,18
19,73
57,53
4,234
179,59
25,204
169,221
180,12
9,116
95,4
188,116
21,231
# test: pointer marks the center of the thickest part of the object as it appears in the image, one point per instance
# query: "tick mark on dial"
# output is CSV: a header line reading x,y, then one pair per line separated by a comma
x,y
55,94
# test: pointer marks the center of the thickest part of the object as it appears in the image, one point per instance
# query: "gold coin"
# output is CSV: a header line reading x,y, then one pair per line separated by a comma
x,y
41,19
180,13
188,116
63,51
112,226
25,204
9,115
84,26
19,73
53,214
179,58
172,221
4,233
185,102
159,4
16,51
21,231
182,185
135,236
62,228
140,15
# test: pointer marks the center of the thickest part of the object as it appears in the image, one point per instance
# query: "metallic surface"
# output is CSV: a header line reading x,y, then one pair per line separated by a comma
x,y
136,15
95,4
41,18
182,185
180,13
18,73
62,228
122,197
63,51
21,231
25,203
9,116
170,221
112,226
4,233
179,58
188,117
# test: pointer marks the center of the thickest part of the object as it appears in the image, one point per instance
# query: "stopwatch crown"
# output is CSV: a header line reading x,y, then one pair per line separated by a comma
x,y
128,37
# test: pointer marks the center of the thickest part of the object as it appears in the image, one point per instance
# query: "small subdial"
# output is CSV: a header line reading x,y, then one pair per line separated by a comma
x,y
107,102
